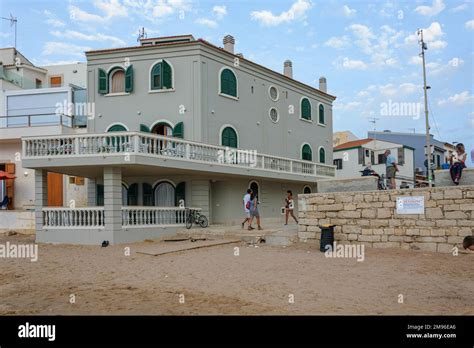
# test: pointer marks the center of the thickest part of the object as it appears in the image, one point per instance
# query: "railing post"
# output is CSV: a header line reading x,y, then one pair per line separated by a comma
x,y
188,151
76,146
136,143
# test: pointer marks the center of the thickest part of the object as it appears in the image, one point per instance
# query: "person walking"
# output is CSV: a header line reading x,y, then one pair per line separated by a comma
x,y
289,206
246,202
457,161
391,168
254,213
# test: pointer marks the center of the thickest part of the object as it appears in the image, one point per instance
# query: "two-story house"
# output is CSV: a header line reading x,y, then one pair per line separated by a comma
x,y
177,119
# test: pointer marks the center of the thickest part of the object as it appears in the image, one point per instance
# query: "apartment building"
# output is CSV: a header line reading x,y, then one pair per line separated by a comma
x,y
179,121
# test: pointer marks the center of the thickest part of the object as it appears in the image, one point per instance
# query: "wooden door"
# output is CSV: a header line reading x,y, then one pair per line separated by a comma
x,y
9,185
55,190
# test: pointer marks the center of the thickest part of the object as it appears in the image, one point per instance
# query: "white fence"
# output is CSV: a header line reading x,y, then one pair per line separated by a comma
x,y
73,217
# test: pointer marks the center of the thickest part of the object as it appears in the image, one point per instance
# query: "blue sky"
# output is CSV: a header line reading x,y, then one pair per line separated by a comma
x,y
367,50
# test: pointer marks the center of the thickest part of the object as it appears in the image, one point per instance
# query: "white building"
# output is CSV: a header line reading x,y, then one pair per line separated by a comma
x,y
353,157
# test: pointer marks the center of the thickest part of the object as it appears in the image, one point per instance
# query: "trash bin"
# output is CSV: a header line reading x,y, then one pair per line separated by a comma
x,y
327,237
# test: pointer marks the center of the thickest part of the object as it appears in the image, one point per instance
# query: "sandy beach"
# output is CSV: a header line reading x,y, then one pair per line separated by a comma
x,y
262,280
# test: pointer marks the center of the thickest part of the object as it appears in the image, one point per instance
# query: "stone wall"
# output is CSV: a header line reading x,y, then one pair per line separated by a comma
x,y
363,183
370,217
443,178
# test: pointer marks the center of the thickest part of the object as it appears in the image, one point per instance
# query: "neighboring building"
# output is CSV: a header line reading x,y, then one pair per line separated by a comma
x,y
30,107
449,148
418,142
353,157
181,119
339,138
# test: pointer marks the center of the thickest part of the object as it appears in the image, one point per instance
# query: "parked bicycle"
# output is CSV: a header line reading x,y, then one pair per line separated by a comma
x,y
195,217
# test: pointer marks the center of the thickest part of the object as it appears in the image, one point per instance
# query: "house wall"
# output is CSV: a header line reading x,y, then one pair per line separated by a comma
x,y
77,78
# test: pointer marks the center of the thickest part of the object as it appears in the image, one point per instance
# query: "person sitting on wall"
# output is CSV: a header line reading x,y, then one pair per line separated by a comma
x,y
457,160
468,243
391,169
4,204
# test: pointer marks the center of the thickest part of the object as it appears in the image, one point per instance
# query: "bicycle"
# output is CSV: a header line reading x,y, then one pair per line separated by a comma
x,y
195,217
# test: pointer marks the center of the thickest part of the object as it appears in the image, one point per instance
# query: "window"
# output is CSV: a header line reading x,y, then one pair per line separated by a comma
x,y
273,93
361,156
164,194
144,128
401,156
306,153
100,195
321,114
274,115
180,193
124,195
372,157
438,161
229,137
132,198
117,128
55,81
322,155
161,76
338,163
117,81
147,195
38,83
306,190
228,83
381,158
305,109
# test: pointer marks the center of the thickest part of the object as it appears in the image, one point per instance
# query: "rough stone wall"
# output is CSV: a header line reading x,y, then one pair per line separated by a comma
x,y
370,218
443,178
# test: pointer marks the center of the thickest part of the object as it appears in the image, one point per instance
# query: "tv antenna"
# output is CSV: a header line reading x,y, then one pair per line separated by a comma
x,y
374,121
141,34
13,21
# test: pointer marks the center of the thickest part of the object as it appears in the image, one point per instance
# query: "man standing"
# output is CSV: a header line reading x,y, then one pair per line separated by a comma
x,y
246,202
391,169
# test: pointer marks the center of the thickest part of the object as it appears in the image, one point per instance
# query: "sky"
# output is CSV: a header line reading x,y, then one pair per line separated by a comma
x,y
367,50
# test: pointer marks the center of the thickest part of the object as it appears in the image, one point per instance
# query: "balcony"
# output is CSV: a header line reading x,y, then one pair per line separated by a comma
x,y
144,149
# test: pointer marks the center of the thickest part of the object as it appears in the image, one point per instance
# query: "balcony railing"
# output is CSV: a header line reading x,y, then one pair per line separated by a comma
x,y
132,216
36,120
165,147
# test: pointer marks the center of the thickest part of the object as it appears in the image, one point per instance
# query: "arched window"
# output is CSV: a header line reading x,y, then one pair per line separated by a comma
x,y
321,114
305,109
117,81
124,195
163,128
322,155
228,83
229,137
117,128
164,194
144,128
147,194
161,76
132,197
306,189
306,153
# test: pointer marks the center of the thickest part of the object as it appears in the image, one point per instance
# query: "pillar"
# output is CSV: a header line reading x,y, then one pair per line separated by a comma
x,y
112,201
41,198
91,192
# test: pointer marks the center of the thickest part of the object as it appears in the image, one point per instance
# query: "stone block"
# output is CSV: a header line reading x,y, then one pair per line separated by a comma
x,y
379,223
313,229
352,236
433,213
432,239
465,231
413,232
452,193
330,207
425,223
455,215
368,213
365,238
306,235
363,222
445,223
455,239
438,232
350,206
349,214
351,229
367,231
302,228
386,245
384,213
395,238
450,207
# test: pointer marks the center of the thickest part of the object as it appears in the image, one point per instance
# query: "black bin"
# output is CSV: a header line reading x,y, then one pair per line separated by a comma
x,y
327,237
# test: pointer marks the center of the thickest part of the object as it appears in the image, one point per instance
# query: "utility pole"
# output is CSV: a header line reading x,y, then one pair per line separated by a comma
x,y
428,146
13,21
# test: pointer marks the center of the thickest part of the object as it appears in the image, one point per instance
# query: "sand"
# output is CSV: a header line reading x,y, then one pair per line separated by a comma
x,y
213,280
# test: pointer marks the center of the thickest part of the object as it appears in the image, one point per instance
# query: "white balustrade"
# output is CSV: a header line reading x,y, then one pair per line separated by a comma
x,y
166,147
92,217
134,216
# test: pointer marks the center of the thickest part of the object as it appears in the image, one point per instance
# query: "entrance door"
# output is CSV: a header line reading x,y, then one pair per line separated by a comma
x,y
55,190
165,195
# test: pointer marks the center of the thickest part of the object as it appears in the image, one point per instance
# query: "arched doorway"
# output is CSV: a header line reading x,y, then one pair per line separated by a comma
x,y
165,194
163,128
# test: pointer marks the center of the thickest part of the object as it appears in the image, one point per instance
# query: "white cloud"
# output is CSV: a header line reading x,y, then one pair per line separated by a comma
x,y
76,14
111,8
337,42
75,35
346,106
348,12
353,64
219,11
364,36
469,24
457,99
206,22
431,35
63,48
459,8
55,23
296,11
436,7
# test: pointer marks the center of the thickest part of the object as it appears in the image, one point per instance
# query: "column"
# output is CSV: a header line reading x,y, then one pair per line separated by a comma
x,y
91,192
112,201
41,199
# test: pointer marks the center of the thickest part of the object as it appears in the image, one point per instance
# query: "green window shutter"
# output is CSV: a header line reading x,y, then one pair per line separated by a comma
x,y
306,153
229,137
167,75
321,114
305,109
228,83
132,198
322,155
103,82
129,79
117,128
178,131
100,195
156,77
144,128
180,193
147,195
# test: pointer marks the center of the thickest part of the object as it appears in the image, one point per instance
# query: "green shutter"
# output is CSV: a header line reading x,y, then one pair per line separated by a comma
x,y
117,128
228,83
100,195
147,195
180,193
321,114
306,153
144,128
167,75
103,82
156,77
305,109
178,131
229,137
129,79
132,198
322,155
